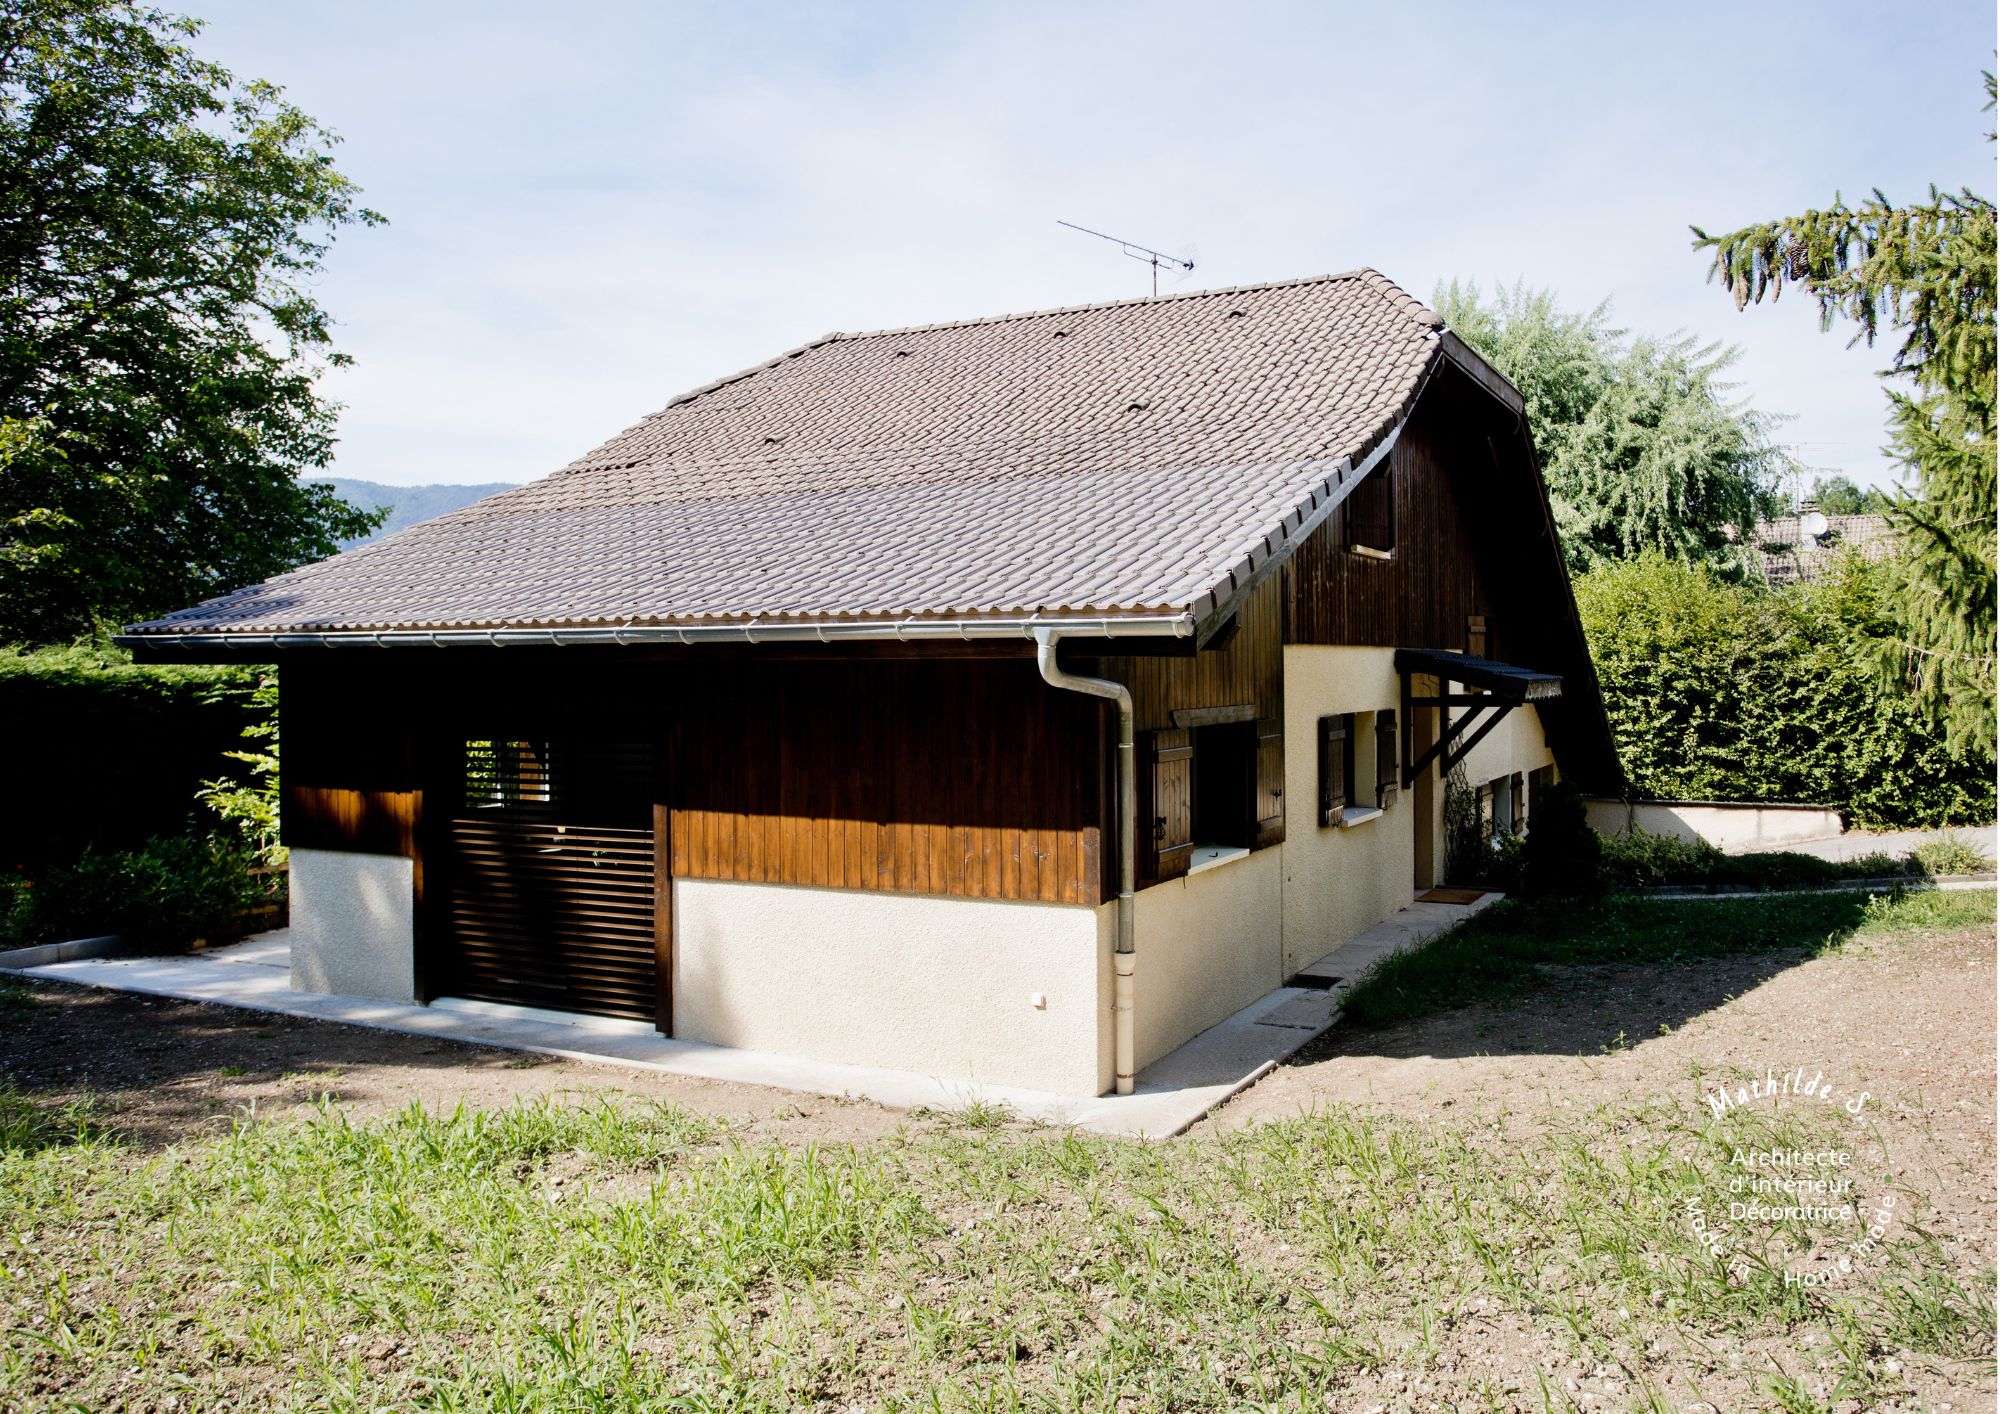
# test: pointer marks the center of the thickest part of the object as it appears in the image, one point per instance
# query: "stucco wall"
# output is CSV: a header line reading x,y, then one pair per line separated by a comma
x,y
1208,945
1339,882
1516,745
353,925
940,986
1735,828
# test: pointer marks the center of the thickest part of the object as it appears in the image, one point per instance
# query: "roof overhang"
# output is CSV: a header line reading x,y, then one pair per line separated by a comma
x,y
1502,681
250,646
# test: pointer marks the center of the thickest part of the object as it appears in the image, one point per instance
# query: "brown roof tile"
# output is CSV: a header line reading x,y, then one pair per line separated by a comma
x,y
1109,459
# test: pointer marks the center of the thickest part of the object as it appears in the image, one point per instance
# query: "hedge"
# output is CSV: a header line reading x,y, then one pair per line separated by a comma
x,y
109,753
1731,691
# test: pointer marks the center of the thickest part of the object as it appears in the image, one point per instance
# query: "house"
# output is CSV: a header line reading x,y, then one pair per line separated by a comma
x,y
1803,548
1008,700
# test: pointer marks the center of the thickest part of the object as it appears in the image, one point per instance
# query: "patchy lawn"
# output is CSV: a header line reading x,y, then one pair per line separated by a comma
x,y
1477,1244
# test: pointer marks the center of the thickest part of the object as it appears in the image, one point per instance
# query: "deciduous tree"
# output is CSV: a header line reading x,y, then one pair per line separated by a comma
x,y
160,344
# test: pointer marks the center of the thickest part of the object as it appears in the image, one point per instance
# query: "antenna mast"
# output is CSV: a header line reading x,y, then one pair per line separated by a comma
x,y
1146,254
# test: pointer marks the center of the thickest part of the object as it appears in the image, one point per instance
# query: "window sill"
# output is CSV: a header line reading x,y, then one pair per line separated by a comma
x,y
1357,815
1369,552
1214,856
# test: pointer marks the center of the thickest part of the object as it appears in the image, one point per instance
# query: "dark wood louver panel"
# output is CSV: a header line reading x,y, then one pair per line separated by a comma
x,y
1166,804
1385,759
1270,782
552,879
1332,769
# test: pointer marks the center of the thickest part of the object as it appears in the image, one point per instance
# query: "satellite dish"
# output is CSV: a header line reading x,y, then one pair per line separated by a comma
x,y
1813,523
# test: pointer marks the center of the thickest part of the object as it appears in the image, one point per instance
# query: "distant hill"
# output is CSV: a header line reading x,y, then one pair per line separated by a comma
x,y
408,504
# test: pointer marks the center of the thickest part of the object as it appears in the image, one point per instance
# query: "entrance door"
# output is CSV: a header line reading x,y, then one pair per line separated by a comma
x,y
552,879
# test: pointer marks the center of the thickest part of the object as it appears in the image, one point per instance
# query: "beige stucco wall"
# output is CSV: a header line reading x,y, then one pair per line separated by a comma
x,y
353,925
1208,945
941,986
1339,882
1516,745
1733,828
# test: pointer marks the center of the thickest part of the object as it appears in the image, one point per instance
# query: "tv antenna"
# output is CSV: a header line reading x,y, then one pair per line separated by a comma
x,y
1145,253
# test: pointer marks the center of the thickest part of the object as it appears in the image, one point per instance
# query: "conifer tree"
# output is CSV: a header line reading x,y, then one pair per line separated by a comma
x,y
1925,271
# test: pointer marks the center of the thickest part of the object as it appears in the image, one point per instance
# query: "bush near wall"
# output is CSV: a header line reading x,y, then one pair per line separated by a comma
x,y
1731,691
109,753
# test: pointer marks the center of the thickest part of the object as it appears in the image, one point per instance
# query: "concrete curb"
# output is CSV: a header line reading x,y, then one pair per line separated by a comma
x,y
76,949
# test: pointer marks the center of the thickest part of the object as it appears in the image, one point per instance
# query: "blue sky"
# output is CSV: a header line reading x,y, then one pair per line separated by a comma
x,y
594,206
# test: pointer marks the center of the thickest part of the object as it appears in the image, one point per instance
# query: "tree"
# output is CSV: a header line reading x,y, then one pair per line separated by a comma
x,y
160,349
1839,496
1927,270
1643,447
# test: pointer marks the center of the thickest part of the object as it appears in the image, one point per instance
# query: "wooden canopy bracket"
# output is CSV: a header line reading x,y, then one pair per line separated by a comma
x,y
1453,743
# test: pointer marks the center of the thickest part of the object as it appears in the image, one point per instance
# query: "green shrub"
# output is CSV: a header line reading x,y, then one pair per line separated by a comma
x,y
1951,855
1722,691
117,750
164,894
1639,860
1562,855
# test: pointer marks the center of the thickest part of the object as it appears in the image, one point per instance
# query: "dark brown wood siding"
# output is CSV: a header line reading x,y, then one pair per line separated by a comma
x,y
970,777
1437,581
975,779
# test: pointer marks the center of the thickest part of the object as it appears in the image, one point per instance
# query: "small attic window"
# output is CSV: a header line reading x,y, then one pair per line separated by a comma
x,y
1137,407
1234,314
1371,514
902,353
1060,334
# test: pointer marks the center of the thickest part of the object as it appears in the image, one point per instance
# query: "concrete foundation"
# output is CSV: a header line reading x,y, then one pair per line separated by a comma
x,y
353,925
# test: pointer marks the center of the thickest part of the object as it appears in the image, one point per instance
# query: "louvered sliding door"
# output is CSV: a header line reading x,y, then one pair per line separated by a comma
x,y
552,879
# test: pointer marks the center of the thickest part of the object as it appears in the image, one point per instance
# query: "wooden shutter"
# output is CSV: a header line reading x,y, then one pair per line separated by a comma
x,y
1270,782
1332,769
1520,790
1475,635
1166,804
1385,758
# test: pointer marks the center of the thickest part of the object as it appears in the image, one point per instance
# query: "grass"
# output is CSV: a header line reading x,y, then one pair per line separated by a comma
x,y
1493,955
611,1257
586,1258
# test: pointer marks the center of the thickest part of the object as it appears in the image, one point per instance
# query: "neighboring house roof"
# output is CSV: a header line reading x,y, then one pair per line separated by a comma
x,y
1135,458
1788,555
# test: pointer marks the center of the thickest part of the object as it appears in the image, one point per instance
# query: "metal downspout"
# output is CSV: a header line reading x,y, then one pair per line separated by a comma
x,y
1123,960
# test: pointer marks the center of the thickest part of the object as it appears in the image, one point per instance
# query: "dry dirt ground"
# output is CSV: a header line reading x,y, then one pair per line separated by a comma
x,y
1910,1021
164,1071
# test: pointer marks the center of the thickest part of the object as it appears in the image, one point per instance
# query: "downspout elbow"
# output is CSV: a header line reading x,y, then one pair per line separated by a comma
x,y
1124,961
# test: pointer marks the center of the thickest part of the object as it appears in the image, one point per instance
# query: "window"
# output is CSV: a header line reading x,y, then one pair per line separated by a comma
x,y
499,774
1475,635
1225,760
1371,514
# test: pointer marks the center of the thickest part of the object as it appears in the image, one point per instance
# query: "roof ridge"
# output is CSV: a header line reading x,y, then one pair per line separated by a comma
x,y
1093,307
1367,274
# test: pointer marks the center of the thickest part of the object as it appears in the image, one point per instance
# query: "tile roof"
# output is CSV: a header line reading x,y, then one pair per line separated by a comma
x,y
1788,555
1111,459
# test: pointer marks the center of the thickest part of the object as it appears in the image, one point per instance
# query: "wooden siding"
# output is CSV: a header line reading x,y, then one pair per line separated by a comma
x,y
1246,671
971,779
1438,580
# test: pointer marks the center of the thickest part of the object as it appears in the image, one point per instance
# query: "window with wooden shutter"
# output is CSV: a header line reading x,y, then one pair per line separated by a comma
x,y
1270,782
1336,759
1475,635
1371,513
1166,799
1385,758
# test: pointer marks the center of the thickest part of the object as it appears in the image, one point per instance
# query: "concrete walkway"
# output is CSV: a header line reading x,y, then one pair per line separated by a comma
x,y
1895,843
1171,1094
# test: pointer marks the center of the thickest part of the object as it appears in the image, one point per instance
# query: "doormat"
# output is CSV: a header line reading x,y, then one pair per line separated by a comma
x,y
1452,896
